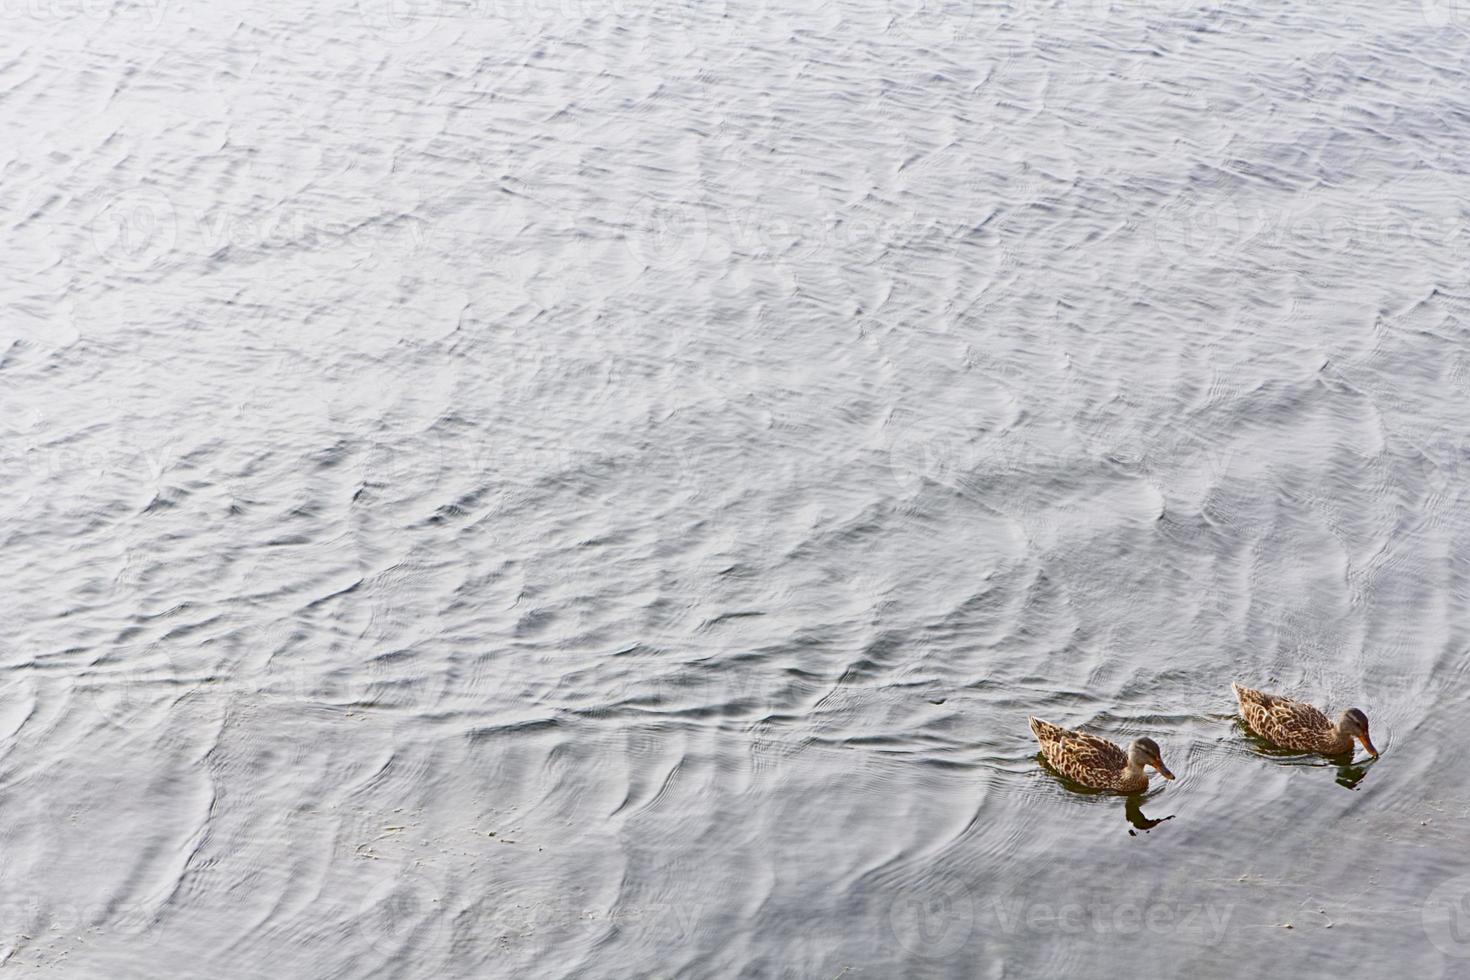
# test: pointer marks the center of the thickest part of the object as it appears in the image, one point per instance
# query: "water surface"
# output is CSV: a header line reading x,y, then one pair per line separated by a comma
x,y
596,490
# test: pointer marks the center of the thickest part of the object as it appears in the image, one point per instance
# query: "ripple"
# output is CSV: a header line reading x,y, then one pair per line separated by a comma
x,y
591,492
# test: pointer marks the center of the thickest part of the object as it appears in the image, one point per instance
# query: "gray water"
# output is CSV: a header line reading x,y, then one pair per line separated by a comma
x,y
576,489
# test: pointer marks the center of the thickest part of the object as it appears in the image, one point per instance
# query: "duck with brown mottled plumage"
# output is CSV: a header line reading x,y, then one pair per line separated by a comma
x,y
1097,763
1300,727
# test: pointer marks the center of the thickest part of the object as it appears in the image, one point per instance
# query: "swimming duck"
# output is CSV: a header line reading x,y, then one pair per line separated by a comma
x,y
1096,762
1301,727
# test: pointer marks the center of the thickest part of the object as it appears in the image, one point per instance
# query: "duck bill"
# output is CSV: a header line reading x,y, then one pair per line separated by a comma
x,y
1163,770
1368,744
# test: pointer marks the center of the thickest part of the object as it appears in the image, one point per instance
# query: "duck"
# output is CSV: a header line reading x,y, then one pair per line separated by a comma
x,y
1097,763
1298,726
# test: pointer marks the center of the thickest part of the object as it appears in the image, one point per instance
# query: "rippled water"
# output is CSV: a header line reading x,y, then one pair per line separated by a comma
x,y
593,490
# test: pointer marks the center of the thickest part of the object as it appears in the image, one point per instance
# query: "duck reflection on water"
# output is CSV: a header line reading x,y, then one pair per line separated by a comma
x,y
1349,774
1133,810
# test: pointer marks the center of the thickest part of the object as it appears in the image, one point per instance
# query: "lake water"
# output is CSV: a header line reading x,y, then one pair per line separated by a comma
x,y
575,489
